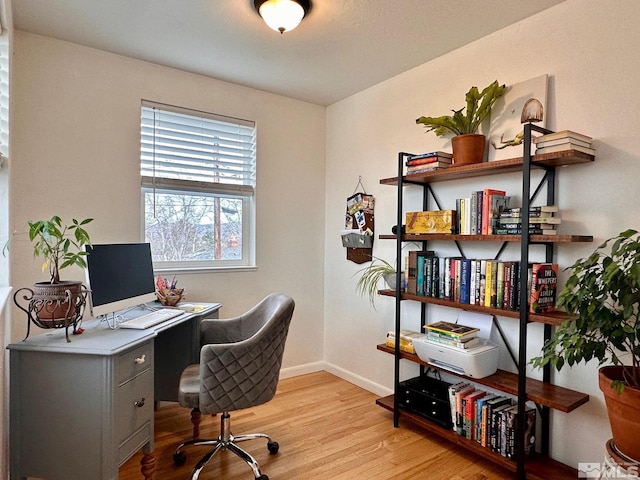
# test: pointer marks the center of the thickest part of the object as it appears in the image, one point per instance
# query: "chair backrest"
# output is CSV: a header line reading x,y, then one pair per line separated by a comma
x,y
245,373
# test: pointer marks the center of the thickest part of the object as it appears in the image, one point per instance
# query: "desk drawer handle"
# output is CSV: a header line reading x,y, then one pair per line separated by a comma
x,y
139,404
140,360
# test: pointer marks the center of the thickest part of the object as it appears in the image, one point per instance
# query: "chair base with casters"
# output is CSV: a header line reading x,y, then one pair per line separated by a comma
x,y
226,441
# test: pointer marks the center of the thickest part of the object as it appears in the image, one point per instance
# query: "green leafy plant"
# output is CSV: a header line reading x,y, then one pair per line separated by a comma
x,y
370,277
604,292
60,245
478,106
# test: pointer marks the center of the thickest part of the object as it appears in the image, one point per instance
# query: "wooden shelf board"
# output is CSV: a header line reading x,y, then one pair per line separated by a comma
x,y
537,467
554,318
425,237
557,159
547,394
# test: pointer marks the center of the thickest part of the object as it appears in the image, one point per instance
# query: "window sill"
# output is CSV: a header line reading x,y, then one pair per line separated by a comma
x,y
190,270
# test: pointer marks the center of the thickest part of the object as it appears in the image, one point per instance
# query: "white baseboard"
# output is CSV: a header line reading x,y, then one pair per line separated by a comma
x,y
338,372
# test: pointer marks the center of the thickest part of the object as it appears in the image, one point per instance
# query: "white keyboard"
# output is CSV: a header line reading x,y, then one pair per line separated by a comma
x,y
152,318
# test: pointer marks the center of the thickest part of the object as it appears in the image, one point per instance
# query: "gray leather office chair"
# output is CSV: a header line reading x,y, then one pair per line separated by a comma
x,y
239,368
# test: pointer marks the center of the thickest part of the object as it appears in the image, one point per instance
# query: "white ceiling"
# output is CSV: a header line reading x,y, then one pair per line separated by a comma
x,y
340,48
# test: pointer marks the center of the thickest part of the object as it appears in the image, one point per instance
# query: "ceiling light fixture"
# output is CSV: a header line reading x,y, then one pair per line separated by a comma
x,y
282,15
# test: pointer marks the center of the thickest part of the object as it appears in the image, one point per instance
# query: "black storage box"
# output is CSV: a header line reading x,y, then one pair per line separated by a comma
x,y
428,397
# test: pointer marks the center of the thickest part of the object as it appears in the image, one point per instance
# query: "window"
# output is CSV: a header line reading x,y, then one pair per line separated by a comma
x,y
198,182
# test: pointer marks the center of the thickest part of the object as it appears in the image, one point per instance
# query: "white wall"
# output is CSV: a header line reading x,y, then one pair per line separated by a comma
x,y
75,153
587,48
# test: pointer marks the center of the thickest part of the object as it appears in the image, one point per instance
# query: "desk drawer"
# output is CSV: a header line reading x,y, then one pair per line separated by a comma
x,y
134,405
134,362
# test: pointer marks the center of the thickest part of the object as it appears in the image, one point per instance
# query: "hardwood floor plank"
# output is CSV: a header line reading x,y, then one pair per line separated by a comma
x,y
327,428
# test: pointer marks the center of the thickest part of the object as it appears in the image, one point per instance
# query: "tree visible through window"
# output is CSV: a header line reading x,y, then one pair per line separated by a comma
x,y
198,178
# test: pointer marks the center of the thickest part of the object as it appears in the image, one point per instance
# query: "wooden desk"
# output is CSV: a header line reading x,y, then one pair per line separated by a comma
x,y
79,410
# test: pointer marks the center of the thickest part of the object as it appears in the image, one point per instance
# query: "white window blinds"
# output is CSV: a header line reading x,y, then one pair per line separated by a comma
x,y
182,148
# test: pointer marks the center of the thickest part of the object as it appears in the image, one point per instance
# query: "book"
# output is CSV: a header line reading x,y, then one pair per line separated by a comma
x,y
453,330
495,425
500,285
406,340
560,141
479,404
427,161
465,280
453,390
513,300
548,219
562,134
487,193
511,425
544,283
562,148
496,205
426,168
469,419
534,211
532,231
459,407
487,411
466,344
429,155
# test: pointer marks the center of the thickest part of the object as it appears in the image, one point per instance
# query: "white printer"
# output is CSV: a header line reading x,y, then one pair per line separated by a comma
x,y
476,362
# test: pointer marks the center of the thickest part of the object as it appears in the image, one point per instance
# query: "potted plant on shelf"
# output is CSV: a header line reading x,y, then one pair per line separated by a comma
x,y
603,292
468,145
56,303
372,274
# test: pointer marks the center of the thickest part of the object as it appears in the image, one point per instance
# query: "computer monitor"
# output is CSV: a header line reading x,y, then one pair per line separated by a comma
x,y
119,275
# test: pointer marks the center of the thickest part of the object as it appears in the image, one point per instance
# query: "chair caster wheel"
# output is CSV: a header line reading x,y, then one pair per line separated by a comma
x,y
179,458
262,477
273,447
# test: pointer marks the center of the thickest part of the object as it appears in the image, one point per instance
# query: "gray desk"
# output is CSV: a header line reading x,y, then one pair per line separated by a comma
x,y
79,410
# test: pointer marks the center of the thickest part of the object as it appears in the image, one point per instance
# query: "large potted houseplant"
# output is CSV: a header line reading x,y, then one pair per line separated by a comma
x,y
56,303
603,292
468,145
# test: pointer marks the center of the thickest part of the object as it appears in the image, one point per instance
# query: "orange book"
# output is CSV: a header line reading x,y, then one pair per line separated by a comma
x,y
486,206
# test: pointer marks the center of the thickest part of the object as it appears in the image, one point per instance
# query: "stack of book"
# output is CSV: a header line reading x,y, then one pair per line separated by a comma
x,y
561,141
427,162
490,419
543,220
452,334
406,340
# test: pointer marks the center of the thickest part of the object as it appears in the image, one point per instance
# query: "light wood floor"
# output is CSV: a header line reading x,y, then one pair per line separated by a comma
x,y
327,428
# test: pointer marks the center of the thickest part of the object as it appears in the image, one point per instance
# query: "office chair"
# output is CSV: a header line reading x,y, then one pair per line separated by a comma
x,y
239,368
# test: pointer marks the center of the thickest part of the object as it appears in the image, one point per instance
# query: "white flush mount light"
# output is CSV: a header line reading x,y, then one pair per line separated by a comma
x,y
282,15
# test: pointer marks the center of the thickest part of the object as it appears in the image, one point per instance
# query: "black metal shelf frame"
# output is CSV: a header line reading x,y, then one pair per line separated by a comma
x,y
548,180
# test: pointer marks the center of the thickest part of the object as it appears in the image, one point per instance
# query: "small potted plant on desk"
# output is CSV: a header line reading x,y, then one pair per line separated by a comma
x,y
603,292
56,303
468,145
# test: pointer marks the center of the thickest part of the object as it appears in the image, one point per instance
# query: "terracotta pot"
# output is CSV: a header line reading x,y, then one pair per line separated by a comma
x,y
56,303
623,410
468,148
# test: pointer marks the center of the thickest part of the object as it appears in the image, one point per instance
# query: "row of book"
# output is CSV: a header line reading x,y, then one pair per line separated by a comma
x,y
479,213
490,419
564,140
484,282
427,162
488,212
